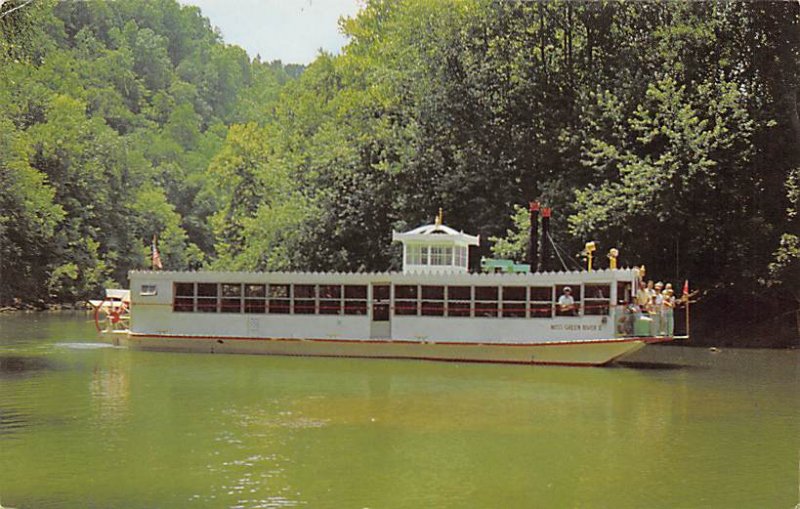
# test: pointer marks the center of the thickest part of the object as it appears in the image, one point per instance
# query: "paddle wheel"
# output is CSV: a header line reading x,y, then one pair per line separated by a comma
x,y
113,314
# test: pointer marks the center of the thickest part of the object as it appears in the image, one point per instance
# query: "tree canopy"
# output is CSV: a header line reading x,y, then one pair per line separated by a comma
x,y
668,130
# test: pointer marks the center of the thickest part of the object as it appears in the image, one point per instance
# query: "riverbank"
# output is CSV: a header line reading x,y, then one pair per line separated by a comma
x,y
27,307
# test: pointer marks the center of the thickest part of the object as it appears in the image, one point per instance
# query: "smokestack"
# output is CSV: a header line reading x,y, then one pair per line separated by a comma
x,y
533,242
546,211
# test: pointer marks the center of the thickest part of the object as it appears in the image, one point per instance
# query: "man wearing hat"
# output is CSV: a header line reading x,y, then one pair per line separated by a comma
x,y
655,309
566,303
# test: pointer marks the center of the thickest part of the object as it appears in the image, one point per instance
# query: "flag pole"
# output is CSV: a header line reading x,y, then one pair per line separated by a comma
x,y
687,318
688,299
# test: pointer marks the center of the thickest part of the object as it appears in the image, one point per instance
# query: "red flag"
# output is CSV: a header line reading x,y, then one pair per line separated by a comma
x,y
156,255
686,287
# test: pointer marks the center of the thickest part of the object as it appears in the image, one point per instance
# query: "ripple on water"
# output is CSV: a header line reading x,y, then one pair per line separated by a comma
x,y
12,421
85,346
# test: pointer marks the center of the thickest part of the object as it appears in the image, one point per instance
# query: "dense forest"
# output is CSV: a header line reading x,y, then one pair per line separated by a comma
x,y
667,130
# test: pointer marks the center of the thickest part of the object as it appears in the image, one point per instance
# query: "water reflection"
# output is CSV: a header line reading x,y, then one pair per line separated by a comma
x,y
110,391
13,366
12,421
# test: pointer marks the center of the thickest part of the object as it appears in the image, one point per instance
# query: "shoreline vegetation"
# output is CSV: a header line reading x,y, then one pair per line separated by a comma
x,y
667,130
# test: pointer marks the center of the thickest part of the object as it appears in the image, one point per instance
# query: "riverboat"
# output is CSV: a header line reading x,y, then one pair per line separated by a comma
x,y
434,309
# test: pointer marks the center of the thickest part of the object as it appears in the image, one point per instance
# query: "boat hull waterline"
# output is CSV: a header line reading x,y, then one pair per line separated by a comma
x,y
566,353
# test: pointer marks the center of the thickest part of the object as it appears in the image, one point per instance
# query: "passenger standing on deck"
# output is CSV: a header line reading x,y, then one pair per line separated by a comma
x,y
641,301
656,303
642,298
651,291
566,303
668,311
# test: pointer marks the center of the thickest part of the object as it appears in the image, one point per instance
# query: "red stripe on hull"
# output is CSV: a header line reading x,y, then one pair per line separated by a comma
x,y
648,339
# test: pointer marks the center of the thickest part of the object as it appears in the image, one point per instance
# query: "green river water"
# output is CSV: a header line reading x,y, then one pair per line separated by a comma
x,y
87,425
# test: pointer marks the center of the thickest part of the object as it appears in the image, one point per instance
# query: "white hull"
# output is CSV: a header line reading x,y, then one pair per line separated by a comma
x,y
569,353
503,318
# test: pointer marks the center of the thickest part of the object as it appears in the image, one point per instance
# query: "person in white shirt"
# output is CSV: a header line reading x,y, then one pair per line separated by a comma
x,y
566,303
656,301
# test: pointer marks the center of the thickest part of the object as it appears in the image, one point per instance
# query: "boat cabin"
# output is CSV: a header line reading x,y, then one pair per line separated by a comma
x,y
435,248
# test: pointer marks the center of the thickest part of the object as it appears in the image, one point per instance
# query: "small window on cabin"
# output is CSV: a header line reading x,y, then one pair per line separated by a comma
x,y
597,299
562,297
541,301
624,293
461,256
330,299
207,294
305,299
148,290
231,298
458,300
441,255
278,299
355,299
405,300
486,301
433,300
183,301
414,256
514,298
255,299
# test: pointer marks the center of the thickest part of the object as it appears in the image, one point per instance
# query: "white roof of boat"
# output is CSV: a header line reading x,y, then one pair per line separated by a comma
x,y
423,277
430,232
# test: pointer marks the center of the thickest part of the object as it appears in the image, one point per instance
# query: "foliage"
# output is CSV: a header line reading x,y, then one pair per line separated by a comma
x,y
668,130
514,245
110,113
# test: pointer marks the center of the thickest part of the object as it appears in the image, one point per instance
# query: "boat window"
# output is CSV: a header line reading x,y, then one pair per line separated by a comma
x,y
255,291
575,292
458,300
417,255
433,300
624,293
405,300
486,301
255,298
330,299
279,299
184,298
514,298
541,301
441,255
304,299
231,298
207,297
597,299
184,289
355,299
148,290
461,256
355,291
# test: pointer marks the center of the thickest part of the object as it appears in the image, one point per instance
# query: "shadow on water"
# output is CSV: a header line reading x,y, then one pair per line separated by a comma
x,y
665,366
12,421
21,366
